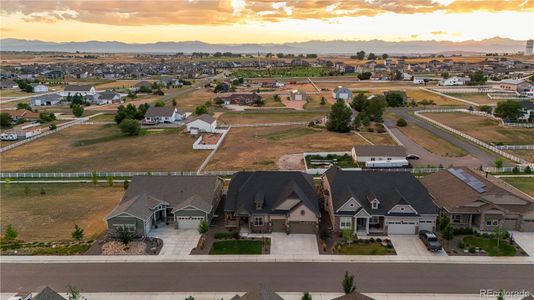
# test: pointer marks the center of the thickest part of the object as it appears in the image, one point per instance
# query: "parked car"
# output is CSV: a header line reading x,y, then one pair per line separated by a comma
x,y
412,156
430,240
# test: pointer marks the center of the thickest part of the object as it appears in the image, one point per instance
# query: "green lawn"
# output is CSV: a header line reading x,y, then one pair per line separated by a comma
x,y
490,246
289,134
525,184
236,247
373,248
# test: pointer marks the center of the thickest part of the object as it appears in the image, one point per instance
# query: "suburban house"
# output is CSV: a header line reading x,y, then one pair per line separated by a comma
x,y
152,201
272,201
527,111
46,100
140,84
8,84
514,85
202,123
19,114
354,296
297,95
25,131
473,201
163,114
380,156
374,202
243,99
48,294
455,81
342,93
418,80
73,89
107,97
39,88
170,82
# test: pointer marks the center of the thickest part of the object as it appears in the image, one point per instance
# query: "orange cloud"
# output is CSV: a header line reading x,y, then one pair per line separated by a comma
x,y
216,12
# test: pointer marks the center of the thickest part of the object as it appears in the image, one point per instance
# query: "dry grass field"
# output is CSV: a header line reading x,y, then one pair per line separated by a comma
x,y
118,84
431,142
379,138
524,154
485,129
477,98
419,94
259,148
269,117
524,184
52,216
104,148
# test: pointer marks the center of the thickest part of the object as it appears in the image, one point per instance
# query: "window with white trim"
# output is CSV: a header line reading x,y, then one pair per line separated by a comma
x,y
258,221
494,222
374,204
456,218
345,222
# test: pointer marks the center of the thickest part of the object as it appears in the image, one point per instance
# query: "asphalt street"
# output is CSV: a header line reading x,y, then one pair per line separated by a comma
x,y
283,277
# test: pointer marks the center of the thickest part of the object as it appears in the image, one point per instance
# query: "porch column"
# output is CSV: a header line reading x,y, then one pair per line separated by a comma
x,y
355,225
367,226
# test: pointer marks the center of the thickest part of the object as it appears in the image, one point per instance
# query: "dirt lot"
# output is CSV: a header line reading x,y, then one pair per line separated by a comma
x,y
261,147
269,117
52,216
104,148
485,129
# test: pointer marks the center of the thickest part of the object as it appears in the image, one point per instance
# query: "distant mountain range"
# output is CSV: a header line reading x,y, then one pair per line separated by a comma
x,y
495,44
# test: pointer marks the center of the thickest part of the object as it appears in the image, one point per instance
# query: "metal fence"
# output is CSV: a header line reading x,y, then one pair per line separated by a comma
x,y
468,137
265,124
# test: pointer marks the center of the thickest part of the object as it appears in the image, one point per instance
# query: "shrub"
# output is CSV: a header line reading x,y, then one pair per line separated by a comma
x,y
11,233
528,170
461,245
203,227
130,127
472,249
124,235
52,127
78,233
401,122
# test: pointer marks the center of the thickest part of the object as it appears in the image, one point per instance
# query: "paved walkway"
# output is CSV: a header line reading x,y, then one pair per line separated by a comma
x,y
411,245
286,296
293,244
525,240
176,241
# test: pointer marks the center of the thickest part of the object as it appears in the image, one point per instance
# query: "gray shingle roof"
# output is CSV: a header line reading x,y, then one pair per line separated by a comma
x,y
390,188
163,111
78,88
379,150
146,192
204,117
48,294
272,188
260,293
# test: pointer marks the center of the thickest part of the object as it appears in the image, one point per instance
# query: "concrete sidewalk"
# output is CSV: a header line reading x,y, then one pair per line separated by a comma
x,y
286,296
270,258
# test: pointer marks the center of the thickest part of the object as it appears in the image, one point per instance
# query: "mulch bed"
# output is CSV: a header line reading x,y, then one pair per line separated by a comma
x,y
107,245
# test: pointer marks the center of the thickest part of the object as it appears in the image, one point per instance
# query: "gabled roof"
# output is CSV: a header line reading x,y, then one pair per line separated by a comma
x,y
273,188
390,188
204,117
379,150
354,296
260,293
48,294
160,111
146,192
49,97
108,95
78,88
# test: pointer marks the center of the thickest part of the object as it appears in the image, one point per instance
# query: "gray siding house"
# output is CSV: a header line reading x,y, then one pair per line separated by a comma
x,y
272,201
179,201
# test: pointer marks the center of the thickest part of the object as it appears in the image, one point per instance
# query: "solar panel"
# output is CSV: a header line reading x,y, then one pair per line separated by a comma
x,y
469,179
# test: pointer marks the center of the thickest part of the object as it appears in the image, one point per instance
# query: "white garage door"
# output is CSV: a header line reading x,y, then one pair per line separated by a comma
x,y
401,228
189,222
426,225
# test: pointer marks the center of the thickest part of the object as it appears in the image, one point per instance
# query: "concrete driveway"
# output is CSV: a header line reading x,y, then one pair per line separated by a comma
x,y
293,244
525,240
176,242
411,245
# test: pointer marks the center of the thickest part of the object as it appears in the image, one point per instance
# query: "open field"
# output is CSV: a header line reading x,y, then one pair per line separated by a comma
x,y
282,72
52,216
261,147
116,84
269,117
477,98
525,184
104,148
419,94
485,129
431,142
379,138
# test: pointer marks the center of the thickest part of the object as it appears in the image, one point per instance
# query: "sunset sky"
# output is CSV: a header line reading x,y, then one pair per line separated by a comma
x,y
263,21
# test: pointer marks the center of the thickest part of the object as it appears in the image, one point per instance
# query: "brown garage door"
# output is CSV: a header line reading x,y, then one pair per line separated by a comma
x,y
302,227
278,225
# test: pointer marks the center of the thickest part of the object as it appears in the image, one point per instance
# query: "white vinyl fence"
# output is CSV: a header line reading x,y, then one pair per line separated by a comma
x,y
465,136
